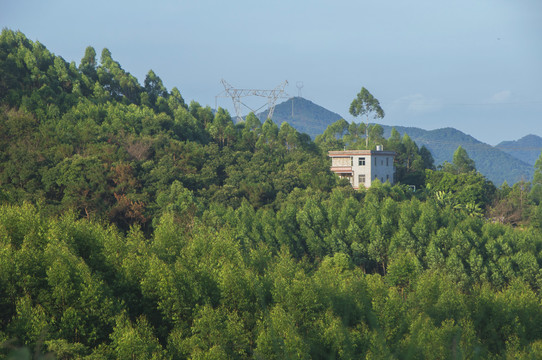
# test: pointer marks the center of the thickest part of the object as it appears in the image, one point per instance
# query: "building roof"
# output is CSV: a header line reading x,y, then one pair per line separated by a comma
x,y
346,153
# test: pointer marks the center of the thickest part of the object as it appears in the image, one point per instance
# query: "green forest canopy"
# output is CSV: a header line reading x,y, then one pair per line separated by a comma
x,y
134,225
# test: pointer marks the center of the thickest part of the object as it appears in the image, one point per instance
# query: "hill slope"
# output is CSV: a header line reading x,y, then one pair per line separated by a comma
x,y
527,149
160,231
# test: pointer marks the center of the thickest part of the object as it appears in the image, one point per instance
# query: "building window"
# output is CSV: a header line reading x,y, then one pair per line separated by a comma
x,y
351,161
387,177
361,180
361,161
381,162
387,162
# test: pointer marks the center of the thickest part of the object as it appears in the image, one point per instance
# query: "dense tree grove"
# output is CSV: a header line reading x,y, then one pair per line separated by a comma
x,y
136,226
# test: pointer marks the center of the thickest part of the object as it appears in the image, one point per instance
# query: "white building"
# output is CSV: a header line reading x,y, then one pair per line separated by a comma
x,y
362,167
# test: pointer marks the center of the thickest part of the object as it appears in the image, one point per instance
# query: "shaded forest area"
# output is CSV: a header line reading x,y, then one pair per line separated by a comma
x,y
134,225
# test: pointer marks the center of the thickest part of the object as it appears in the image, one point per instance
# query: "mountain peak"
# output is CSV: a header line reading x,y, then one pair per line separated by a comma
x,y
304,115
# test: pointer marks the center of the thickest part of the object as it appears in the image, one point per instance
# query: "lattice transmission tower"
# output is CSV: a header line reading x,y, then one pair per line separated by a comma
x,y
236,95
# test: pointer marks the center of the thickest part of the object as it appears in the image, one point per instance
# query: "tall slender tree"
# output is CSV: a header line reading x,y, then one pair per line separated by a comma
x,y
462,162
88,63
366,104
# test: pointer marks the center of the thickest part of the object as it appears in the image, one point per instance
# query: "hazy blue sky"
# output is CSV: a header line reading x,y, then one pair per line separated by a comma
x,y
475,65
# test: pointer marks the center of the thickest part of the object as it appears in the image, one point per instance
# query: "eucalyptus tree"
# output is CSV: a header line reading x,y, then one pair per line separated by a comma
x,y
154,88
366,104
462,162
88,63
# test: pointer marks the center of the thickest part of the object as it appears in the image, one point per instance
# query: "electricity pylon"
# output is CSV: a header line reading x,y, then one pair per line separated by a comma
x,y
236,95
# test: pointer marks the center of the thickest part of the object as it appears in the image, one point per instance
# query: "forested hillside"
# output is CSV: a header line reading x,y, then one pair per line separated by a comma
x,y
136,226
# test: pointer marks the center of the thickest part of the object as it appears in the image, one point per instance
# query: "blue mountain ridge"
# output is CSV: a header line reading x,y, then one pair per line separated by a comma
x,y
528,148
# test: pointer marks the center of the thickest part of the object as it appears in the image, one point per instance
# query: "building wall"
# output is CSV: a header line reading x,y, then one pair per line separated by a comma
x,y
341,161
362,170
377,164
382,168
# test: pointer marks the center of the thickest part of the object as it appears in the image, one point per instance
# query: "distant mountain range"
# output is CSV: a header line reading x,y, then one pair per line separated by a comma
x,y
497,165
528,148
509,161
